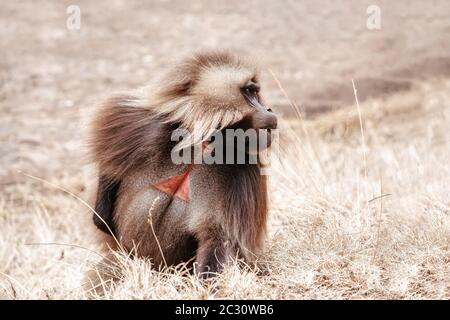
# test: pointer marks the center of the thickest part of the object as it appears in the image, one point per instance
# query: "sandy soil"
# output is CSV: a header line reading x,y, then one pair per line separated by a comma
x,y
51,77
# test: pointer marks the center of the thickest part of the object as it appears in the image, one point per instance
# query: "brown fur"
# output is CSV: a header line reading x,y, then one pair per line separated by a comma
x,y
130,142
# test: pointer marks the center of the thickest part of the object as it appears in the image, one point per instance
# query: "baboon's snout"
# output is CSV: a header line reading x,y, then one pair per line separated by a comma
x,y
265,120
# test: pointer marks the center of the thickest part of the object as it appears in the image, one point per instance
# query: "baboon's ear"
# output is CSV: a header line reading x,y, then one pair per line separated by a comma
x,y
105,203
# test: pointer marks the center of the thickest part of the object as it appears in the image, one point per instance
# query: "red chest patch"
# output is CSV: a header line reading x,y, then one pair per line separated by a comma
x,y
177,186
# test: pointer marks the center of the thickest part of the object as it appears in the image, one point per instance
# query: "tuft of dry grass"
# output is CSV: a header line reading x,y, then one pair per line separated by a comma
x,y
347,220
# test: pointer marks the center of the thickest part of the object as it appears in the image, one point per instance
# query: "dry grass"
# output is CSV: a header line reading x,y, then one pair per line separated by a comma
x,y
340,227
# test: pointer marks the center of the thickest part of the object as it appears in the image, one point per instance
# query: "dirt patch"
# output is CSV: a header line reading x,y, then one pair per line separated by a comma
x,y
51,77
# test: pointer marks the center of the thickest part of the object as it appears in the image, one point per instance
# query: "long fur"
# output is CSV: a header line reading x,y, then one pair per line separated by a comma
x,y
133,131
246,206
172,99
124,137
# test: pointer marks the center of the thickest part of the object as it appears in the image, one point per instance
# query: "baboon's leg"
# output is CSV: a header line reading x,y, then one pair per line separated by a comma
x,y
212,255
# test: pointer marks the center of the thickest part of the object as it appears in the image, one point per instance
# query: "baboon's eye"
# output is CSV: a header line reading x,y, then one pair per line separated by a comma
x,y
250,92
251,88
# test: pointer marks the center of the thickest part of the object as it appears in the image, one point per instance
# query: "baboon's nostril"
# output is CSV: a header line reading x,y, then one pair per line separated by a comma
x,y
270,122
264,120
270,110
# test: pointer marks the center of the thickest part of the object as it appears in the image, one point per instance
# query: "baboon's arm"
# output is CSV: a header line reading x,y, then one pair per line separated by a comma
x,y
105,203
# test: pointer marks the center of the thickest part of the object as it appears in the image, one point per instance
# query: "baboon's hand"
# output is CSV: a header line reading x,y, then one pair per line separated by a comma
x,y
212,256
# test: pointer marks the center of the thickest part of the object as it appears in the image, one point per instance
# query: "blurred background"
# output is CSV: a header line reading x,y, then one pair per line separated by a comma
x,y
352,215
50,75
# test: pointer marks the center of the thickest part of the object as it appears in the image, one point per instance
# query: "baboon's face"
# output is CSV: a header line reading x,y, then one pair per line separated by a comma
x,y
235,88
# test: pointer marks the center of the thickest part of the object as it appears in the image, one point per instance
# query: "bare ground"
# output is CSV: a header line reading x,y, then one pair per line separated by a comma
x,y
350,217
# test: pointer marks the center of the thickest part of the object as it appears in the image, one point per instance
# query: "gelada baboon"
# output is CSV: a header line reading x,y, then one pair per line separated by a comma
x,y
171,212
